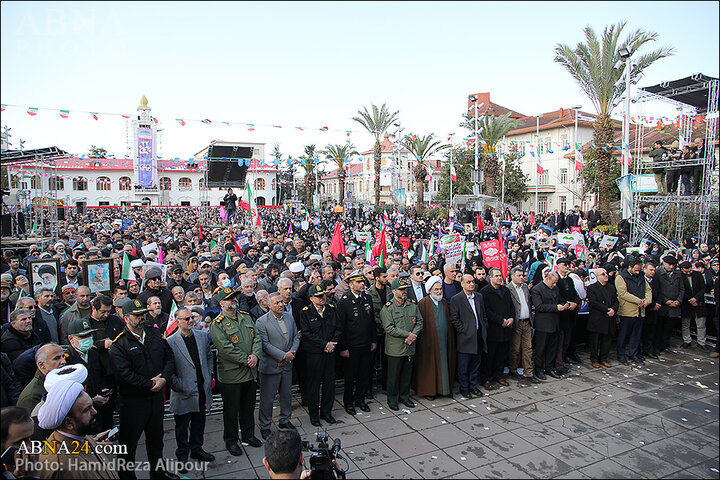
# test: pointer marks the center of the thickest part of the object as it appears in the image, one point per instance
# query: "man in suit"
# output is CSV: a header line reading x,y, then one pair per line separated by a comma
x,y
548,305
522,331
593,217
191,397
358,341
568,294
651,312
467,314
416,291
693,306
280,341
603,302
672,293
501,317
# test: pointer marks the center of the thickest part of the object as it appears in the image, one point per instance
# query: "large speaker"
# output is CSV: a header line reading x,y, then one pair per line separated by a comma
x,y
80,208
61,213
223,169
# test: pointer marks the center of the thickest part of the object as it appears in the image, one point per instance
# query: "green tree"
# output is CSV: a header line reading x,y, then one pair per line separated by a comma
x,y
284,176
491,129
598,69
462,158
376,123
516,182
340,154
422,148
309,163
590,180
97,152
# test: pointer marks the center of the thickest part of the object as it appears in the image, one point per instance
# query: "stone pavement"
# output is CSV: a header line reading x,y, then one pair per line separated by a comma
x,y
655,421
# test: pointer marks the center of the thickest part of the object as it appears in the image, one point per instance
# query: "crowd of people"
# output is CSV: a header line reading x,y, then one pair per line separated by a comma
x,y
198,308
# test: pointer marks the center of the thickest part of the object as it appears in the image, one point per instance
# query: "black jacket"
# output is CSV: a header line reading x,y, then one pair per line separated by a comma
x,y
356,318
498,307
318,330
135,363
96,375
464,321
545,301
593,218
696,291
164,295
11,389
13,343
600,298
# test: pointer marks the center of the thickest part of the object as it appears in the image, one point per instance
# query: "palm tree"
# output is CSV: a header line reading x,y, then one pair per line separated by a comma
x,y
422,148
309,164
597,67
339,154
491,129
376,123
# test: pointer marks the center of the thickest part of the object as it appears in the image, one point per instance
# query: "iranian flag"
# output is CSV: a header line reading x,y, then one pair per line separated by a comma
x,y
172,323
453,173
368,253
168,222
385,217
579,160
32,111
540,168
253,208
64,113
126,270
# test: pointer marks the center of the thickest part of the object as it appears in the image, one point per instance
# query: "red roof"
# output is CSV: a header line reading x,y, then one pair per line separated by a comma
x,y
490,108
561,117
386,146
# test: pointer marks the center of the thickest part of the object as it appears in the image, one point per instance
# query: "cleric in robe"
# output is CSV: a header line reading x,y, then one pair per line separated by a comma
x,y
436,354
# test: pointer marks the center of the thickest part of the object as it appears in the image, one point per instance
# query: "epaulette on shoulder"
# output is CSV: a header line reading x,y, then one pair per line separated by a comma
x,y
219,318
331,305
412,300
119,335
244,312
305,308
389,304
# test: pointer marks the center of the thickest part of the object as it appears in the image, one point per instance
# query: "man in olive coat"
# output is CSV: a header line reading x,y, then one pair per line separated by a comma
x,y
402,322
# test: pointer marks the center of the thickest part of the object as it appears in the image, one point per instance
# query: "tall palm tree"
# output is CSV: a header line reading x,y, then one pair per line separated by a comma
x,y
309,164
491,129
598,69
339,154
421,148
376,122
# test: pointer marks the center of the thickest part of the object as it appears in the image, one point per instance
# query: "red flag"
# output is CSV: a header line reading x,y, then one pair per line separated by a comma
x,y
237,247
200,234
405,242
532,218
380,246
480,225
503,256
337,246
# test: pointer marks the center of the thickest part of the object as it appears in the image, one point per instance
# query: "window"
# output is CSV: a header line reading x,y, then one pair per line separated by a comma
x,y
564,140
35,182
102,183
260,184
273,184
563,203
542,203
80,184
104,204
204,203
260,201
547,143
57,183
124,183
426,187
184,204
15,181
185,184
544,178
563,175
165,183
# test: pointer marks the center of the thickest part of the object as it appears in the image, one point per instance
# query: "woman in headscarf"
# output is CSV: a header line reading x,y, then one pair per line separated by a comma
x,y
436,354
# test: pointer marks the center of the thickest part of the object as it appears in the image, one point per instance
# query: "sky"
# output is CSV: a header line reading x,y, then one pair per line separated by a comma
x,y
311,65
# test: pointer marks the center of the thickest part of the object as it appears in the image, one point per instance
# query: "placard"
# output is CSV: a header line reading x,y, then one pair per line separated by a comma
x,y
149,248
608,241
453,252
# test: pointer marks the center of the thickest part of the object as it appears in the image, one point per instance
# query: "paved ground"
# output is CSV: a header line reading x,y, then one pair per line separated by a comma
x,y
656,421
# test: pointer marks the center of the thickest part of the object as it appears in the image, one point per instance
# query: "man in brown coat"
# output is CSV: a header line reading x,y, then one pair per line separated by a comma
x,y
436,353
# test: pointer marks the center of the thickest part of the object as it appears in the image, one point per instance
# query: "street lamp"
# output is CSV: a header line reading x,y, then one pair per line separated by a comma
x,y
537,148
452,137
474,99
625,54
576,108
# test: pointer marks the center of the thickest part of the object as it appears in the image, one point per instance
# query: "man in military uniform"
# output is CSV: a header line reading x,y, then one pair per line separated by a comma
x,y
358,341
238,349
320,335
379,295
402,322
142,361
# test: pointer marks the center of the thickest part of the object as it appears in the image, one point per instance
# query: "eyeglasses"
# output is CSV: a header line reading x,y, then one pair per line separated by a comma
x,y
419,274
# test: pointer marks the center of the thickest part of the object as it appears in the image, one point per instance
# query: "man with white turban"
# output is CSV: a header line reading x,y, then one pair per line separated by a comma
x,y
68,410
436,354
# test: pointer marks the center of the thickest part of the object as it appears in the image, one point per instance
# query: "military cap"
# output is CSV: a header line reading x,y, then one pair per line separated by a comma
x,y
399,284
356,275
316,291
226,294
80,327
134,307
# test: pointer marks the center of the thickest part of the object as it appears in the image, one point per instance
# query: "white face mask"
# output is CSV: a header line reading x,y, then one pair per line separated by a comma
x,y
226,283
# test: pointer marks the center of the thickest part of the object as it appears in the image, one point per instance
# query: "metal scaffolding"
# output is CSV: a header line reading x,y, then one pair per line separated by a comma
x,y
695,90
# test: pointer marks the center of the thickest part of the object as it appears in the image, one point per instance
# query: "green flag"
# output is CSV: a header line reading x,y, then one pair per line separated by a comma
x,y
213,244
126,267
228,260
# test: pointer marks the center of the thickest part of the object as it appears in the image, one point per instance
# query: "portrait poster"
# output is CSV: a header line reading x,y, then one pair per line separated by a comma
x,y
44,273
98,275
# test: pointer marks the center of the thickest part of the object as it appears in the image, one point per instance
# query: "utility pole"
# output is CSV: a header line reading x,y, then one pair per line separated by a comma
x,y
537,162
476,190
575,142
502,195
625,54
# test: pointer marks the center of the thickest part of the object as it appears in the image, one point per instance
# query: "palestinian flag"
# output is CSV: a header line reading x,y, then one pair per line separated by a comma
x,y
64,113
32,111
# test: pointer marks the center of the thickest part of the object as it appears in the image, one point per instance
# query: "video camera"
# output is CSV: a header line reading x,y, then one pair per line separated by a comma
x,y
323,464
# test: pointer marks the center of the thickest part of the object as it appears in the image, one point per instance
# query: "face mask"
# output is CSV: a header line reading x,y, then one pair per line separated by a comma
x,y
278,255
226,283
85,344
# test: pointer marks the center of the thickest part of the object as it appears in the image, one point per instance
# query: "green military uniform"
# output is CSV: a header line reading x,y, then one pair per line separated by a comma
x,y
399,321
236,339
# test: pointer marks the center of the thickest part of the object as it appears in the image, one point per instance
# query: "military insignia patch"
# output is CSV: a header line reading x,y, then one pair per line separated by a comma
x,y
234,339
252,332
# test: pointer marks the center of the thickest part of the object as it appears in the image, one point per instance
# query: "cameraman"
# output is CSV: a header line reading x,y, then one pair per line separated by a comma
x,y
660,154
284,456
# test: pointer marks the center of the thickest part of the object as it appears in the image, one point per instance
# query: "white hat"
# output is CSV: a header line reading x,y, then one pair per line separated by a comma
x,y
76,372
60,400
431,282
137,263
297,267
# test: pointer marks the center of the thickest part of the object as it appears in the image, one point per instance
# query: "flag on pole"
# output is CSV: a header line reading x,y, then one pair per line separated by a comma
x,y
290,230
385,217
126,270
453,173
200,234
503,258
579,160
237,247
253,208
462,262
213,244
480,225
168,222
228,260
382,258
172,323
368,253
337,246
380,245
65,113
32,111
540,168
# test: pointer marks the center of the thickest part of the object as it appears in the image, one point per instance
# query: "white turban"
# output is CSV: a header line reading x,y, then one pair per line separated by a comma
x,y
59,401
75,373
136,263
297,267
59,244
432,281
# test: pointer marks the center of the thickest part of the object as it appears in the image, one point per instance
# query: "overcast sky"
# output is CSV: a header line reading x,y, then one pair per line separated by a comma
x,y
307,64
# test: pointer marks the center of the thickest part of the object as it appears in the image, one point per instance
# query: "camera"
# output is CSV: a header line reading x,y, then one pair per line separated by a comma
x,y
323,463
